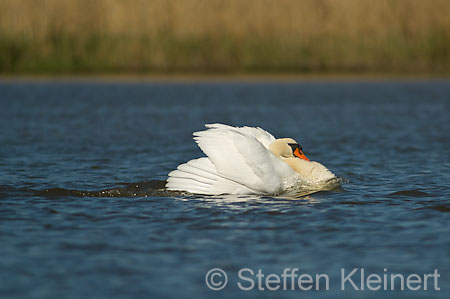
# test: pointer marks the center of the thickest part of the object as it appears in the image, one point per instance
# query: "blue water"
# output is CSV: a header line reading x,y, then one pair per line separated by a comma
x,y
83,212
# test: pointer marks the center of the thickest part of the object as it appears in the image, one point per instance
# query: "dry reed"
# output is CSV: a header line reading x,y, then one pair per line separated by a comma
x,y
160,36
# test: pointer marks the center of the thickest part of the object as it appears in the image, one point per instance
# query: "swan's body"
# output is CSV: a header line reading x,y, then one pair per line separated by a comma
x,y
245,160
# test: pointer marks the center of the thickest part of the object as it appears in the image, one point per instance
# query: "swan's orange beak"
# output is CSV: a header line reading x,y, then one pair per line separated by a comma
x,y
298,153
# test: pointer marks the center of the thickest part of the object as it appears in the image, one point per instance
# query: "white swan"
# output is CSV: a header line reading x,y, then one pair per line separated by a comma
x,y
245,160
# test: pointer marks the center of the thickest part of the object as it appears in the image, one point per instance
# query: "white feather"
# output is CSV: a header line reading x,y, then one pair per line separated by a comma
x,y
238,162
200,176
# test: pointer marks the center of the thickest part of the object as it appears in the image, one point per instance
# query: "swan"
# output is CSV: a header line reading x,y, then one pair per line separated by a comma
x,y
247,160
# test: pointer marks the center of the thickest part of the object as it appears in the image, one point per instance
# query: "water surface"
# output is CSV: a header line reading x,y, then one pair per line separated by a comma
x,y
82,165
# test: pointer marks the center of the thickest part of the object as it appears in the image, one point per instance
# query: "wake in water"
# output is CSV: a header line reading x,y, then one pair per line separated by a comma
x,y
157,188
139,189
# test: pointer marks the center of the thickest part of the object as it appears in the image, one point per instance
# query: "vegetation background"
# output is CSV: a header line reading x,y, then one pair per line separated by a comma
x,y
224,36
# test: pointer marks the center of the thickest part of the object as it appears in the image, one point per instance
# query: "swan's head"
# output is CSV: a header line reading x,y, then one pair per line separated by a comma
x,y
287,148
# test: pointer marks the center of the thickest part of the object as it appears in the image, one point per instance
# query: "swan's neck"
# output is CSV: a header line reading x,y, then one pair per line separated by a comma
x,y
309,171
300,166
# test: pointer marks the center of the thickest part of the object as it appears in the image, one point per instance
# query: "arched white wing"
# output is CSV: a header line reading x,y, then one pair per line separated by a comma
x,y
261,135
238,162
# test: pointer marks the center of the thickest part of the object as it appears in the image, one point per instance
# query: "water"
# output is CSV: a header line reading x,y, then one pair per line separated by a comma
x,y
83,214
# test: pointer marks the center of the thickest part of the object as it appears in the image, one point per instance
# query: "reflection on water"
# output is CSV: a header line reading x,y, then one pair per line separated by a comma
x,y
71,228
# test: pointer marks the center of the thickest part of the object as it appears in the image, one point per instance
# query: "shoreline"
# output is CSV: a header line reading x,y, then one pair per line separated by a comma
x,y
218,78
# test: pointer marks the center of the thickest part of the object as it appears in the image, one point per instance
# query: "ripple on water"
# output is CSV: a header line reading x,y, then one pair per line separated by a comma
x,y
96,237
409,193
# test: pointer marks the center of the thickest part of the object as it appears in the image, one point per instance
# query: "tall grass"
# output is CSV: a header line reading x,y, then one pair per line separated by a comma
x,y
161,36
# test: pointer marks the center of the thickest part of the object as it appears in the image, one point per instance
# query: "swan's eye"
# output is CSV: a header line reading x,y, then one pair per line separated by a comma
x,y
294,146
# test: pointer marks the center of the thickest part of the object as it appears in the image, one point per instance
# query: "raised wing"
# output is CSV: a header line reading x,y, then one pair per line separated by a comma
x,y
241,155
261,135
238,162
